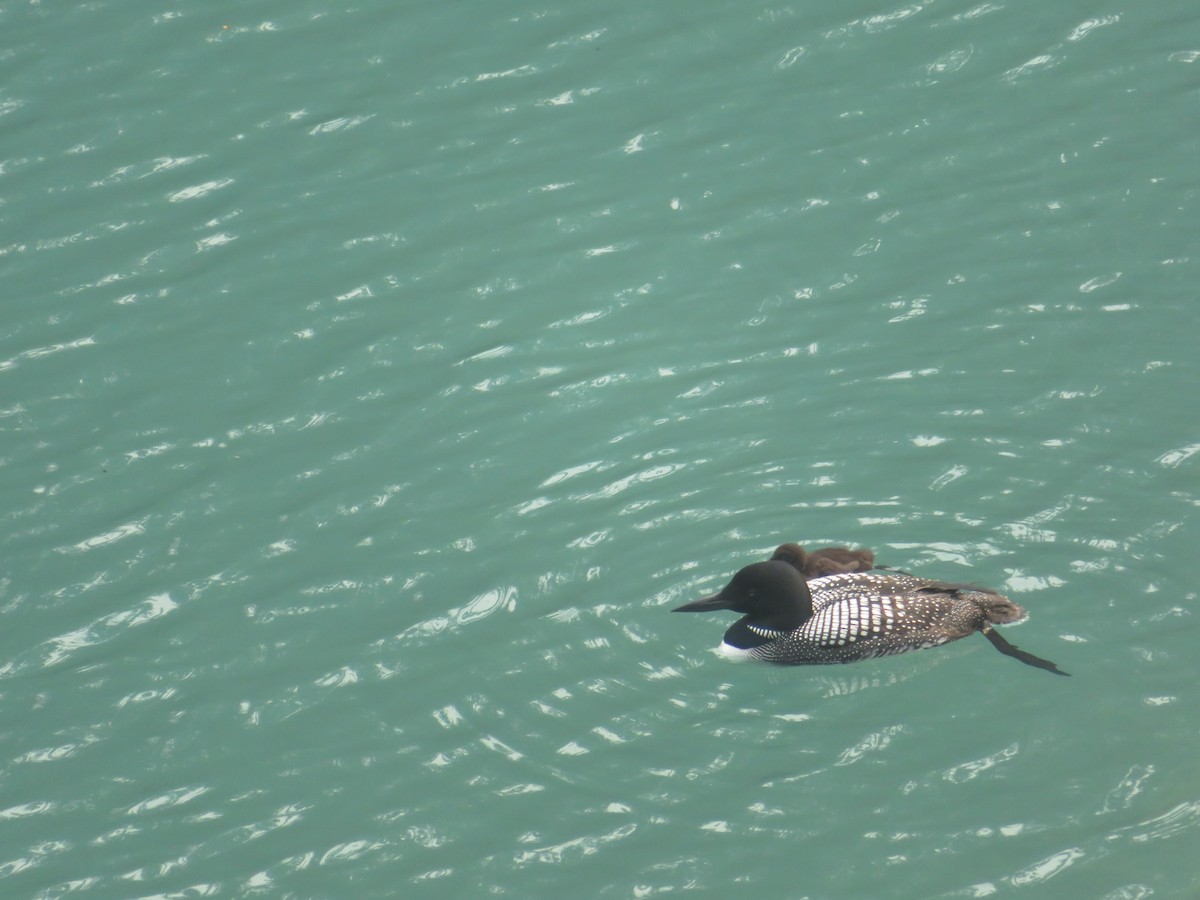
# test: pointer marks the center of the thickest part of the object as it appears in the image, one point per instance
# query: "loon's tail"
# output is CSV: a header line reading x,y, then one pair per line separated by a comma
x,y
1017,653
994,607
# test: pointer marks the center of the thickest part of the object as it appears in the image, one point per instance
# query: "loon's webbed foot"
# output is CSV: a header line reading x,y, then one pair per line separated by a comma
x,y
1017,653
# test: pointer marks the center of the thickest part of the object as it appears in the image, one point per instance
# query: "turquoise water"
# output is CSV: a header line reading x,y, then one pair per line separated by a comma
x,y
373,380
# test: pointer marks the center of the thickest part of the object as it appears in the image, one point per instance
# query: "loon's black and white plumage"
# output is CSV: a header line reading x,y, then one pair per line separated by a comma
x,y
853,616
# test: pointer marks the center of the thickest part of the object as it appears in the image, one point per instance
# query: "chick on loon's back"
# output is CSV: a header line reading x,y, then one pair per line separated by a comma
x,y
825,560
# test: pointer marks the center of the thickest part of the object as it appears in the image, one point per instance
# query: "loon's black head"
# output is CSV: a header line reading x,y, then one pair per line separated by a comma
x,y
772,595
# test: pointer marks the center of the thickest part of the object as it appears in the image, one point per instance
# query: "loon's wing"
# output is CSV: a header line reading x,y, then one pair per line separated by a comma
x,y
831,589
1017,653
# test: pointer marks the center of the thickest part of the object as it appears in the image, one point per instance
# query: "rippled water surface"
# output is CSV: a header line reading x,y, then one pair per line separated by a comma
x,y
374,379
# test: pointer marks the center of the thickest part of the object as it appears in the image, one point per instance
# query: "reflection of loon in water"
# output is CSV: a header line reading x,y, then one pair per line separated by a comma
x,y
839,687
829,685
842,687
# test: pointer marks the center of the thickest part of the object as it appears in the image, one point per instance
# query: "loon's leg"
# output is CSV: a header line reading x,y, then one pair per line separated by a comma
x,y
1017,653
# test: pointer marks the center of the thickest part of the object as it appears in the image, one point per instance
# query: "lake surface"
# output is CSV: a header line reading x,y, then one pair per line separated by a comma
x,y
374,379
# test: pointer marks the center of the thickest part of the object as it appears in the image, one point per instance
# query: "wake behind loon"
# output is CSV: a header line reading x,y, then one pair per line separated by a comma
x,y
853,616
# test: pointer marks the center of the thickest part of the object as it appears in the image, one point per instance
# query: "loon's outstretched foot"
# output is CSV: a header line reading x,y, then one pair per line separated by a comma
x,y
1017,653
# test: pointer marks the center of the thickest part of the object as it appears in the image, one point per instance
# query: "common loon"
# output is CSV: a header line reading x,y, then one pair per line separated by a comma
x,y
825,560
852,616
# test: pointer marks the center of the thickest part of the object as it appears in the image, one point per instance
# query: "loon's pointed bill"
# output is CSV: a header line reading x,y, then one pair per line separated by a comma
x,y
704,604
854,616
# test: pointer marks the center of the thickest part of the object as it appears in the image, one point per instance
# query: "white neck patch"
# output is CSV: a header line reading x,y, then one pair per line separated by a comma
x,y
734,654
